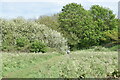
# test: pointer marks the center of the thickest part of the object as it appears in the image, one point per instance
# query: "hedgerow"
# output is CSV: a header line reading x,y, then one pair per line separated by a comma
x,y
18,34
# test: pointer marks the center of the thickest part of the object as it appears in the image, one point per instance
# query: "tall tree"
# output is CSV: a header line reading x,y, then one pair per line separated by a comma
x,y
78,26
105,20
85,28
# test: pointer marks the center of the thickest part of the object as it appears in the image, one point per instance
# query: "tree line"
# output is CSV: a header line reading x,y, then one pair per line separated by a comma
x,y
74,26
85,28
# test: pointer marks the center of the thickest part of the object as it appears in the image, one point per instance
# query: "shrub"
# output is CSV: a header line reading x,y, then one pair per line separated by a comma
x,y
21,42
20,32
37,46
113,36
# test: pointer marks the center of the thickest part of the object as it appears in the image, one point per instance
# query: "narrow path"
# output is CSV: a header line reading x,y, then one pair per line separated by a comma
x,y
36,67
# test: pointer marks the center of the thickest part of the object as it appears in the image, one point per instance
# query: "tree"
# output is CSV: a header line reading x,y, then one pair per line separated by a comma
x,y
77,25
50,21
85,28
105,20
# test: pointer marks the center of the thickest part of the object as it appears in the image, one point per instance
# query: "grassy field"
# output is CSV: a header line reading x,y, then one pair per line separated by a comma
x,y
83,63
0,65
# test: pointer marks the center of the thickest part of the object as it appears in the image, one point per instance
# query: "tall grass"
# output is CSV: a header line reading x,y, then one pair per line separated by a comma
x,y
85,64
0,65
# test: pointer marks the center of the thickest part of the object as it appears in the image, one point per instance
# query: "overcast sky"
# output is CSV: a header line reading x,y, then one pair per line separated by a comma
x,y
36,8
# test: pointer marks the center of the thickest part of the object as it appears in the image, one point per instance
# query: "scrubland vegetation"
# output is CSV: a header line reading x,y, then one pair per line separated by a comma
x,y
85,64
21,35
36,48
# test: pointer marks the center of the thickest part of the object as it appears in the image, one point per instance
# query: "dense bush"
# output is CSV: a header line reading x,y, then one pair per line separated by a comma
x,y
37,46
21,42
20,33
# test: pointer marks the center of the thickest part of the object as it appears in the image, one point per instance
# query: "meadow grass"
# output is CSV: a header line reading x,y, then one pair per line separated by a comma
x,y
0,65
84,63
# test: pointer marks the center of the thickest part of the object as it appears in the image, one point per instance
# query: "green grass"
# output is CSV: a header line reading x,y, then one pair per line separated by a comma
x,y
115,48
83,63
0,65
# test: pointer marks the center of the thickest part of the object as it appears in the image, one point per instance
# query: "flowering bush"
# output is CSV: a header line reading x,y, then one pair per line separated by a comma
x,y
18,28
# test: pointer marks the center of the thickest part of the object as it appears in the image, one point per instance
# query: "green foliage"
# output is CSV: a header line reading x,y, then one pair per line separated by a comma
x,y
85,64
37,46
113,35
17,34
20,61
49,21
77,25
105,21
1,65
82,28
21,42
86,28
115,48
